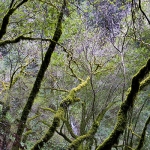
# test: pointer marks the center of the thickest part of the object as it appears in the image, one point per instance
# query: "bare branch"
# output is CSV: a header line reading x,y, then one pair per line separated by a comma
x,y
21,37
37,85
125,107
64,136
143,12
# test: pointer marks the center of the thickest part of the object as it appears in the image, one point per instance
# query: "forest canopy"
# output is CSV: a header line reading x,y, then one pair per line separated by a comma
x,y
74,75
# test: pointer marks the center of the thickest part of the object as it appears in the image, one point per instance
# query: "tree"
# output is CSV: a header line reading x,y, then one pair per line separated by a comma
x,y
78,79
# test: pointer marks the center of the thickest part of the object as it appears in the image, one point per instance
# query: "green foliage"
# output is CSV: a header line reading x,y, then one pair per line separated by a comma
x,y
100,39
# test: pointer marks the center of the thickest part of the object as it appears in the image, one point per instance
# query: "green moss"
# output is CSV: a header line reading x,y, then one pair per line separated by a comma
x,y
25,135
83,83
32,118
35,91
69,128
71,98
145,82
77,142
90,134
39,144
59,115
56,123
122,120
125,107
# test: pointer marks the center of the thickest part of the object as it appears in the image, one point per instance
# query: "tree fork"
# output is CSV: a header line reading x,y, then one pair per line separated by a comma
x,y
75,144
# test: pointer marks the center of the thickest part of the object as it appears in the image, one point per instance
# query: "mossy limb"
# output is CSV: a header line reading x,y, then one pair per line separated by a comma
x,y
125,107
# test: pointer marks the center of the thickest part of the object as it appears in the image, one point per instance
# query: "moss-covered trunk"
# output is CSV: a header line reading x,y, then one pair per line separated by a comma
x,y
125,107
37,83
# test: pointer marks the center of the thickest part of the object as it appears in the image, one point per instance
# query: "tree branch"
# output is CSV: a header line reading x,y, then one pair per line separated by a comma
x,y
66,102
143,12
140,145
69,128
37,83
21,37
125,107
6,18
64,136
48,109
76,143
144,83
12,2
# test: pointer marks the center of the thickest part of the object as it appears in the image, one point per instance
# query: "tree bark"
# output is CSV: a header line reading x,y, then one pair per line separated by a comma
x,y
125,107
65,103
37,82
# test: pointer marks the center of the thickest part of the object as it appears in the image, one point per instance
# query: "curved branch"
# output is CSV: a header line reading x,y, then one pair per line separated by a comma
x,y
143,12
48,109
6,18
19,38
66,102
76,143
140,145
69,128
125,107
64,136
